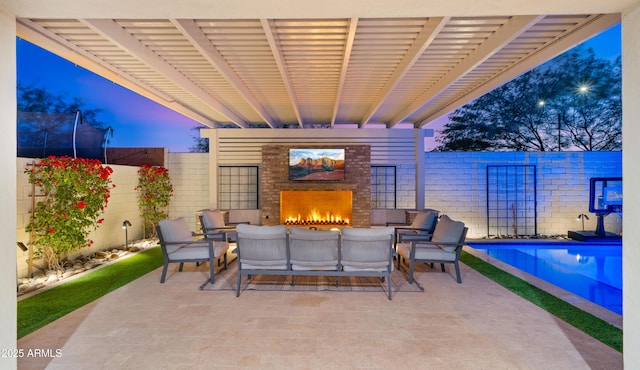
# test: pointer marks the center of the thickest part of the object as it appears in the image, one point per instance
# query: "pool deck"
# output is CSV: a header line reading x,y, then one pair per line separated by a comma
x,y
474,325
584,304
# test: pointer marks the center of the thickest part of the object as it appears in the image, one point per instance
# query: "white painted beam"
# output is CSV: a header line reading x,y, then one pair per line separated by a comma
x,y
346,56
505,34
111,30
199,40
279,58
430,30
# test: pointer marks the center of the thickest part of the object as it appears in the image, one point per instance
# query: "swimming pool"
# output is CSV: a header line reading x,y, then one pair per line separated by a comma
x,y
592,271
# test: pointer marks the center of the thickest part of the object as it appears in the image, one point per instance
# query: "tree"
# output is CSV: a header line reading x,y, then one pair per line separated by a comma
x,y
45,118
572,102
201,144
37,99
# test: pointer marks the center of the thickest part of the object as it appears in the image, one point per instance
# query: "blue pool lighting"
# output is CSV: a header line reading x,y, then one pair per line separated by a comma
x,y
592,271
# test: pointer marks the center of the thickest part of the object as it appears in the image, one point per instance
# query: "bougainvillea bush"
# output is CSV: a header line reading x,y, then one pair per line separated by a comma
x,y
154,193
73,194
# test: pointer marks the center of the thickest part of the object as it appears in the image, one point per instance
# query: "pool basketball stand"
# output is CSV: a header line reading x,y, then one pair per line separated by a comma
x,y
605,197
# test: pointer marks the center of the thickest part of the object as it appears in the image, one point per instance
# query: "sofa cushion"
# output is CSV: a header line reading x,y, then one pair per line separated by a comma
x,y
448,231
250,216
361,231
313,249
175,230
424,220
396,216
262,230
426,252
213,219
295,230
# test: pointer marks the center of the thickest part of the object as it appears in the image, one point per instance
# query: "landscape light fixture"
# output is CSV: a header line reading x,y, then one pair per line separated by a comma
x,y
125,225
582,217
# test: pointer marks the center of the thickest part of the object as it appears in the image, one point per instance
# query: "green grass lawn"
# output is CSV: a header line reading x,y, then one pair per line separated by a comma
x,y
588,323
39,310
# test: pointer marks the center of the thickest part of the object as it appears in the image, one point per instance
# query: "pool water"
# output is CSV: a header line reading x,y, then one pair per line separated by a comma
x,y
592,271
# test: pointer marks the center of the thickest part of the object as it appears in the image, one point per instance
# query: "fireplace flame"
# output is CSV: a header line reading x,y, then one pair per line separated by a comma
x,y
316,218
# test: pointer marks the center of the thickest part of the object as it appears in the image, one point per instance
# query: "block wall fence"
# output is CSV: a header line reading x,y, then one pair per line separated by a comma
x,y
455,184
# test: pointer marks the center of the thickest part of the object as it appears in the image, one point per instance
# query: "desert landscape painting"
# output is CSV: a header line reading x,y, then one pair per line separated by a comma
x,y
316,164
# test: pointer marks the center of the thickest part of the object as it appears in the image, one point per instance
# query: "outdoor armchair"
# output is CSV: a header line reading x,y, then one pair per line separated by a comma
x,y
445,246
178,246
214,227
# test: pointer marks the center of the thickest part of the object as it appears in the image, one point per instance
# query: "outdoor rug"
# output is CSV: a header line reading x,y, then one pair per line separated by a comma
x,y
227,280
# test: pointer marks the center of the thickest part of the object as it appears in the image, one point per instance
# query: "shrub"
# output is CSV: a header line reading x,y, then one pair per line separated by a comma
x,y
73,193
155,192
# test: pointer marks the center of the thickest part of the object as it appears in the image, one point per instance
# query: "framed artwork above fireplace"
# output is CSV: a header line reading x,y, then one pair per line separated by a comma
x,y
316,164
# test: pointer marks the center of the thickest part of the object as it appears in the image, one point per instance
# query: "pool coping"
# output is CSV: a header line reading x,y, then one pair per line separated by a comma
x,y
575,300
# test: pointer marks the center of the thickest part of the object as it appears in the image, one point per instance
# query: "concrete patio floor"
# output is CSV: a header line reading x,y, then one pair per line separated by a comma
x,y
474,325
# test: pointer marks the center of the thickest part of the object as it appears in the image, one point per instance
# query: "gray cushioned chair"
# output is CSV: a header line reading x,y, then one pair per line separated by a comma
x,y
444,246
178,246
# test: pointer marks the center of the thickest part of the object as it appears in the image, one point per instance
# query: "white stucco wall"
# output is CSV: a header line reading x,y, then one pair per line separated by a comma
x,y
189,173
8,193
631,170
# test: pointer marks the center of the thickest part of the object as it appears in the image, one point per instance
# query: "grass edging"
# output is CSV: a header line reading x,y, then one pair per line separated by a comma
x,y
45,307
586,322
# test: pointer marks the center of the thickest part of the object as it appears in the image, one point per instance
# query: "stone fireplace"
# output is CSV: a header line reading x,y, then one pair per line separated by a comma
x,y
274,182
315,207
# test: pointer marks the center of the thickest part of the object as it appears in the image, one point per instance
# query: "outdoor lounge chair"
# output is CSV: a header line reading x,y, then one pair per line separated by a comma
x,y
444,246
178,246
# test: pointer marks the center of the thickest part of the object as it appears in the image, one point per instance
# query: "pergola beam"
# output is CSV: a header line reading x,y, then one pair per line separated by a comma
x,y
109,29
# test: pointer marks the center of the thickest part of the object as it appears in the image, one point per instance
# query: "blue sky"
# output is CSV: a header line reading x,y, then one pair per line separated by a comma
x,y
140,122
136,120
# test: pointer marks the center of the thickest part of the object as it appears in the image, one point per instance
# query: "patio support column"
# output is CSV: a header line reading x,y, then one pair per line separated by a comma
x,y
631,174
420,196
212,135
8,194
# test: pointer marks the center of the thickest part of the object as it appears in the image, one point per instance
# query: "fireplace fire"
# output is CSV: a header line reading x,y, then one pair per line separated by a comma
x,y
315,218
315,207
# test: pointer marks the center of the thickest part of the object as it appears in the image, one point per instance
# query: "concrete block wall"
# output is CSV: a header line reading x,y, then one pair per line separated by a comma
x,y
406,186
189,173
455,184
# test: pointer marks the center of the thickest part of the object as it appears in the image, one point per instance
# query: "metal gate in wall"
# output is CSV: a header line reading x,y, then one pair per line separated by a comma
x,y
511,200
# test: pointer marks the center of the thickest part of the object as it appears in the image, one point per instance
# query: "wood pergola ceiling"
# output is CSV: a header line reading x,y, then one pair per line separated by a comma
x,y
300,73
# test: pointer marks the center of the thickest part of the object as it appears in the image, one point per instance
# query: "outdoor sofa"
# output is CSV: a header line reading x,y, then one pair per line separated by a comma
x,y
271,250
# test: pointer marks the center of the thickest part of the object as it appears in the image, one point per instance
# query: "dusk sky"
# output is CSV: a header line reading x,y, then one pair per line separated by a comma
x,y
140,122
